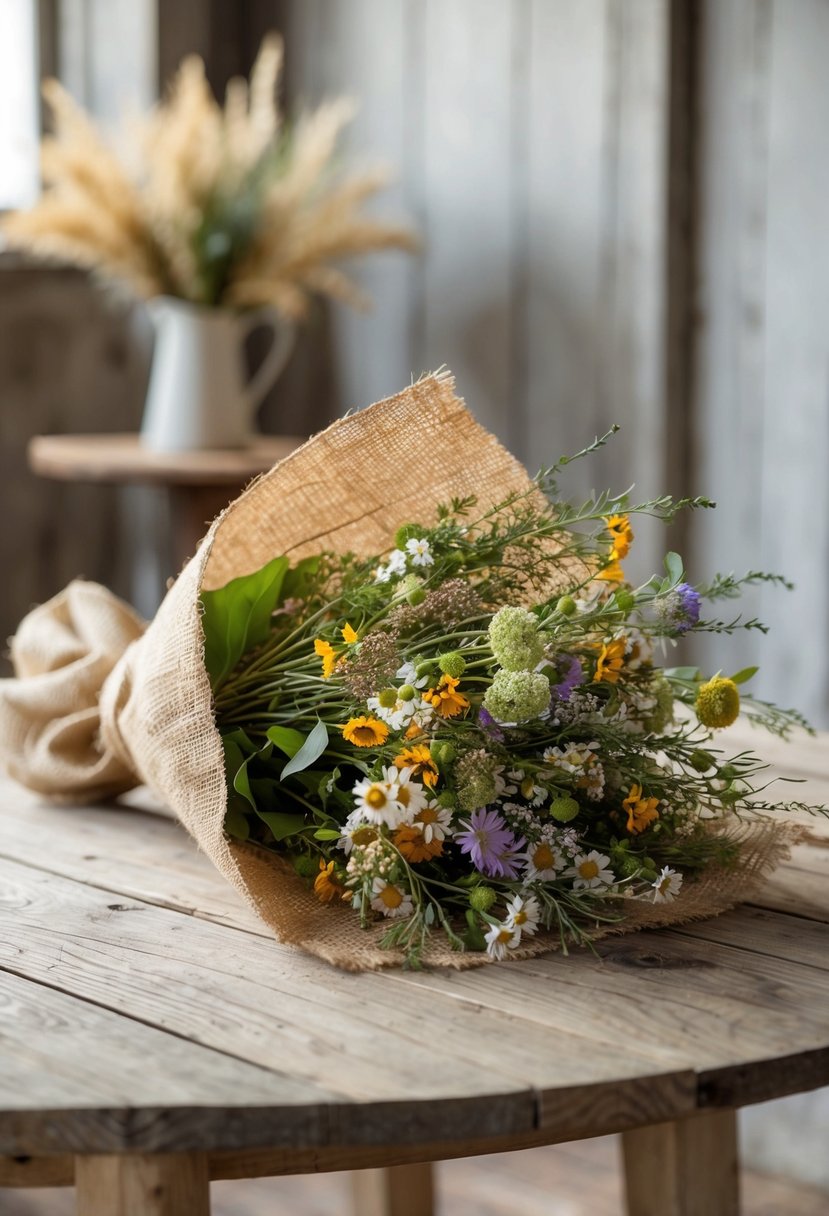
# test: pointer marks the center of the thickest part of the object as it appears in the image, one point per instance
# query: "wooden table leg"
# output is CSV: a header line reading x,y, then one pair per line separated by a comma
x,y
686,1168
397,1190
169,1184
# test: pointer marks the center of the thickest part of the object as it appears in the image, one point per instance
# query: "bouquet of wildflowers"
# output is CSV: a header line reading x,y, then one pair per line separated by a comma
x,y
479,733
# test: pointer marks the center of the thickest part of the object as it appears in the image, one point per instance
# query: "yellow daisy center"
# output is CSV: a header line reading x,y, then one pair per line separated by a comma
x,y
504,936
376,797
428,815
543,857
520,918
588,869
391,897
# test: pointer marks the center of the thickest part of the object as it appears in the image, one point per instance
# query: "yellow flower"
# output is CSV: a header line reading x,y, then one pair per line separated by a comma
x,y
414,847
445,700
612,573
419,760
328,655
640,811
349,634
718,702
326,885
611,659
365,732
619,528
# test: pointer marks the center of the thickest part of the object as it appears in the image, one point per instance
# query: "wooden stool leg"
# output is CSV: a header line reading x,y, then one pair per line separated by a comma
x,y
686,1168
397,1190
169,1184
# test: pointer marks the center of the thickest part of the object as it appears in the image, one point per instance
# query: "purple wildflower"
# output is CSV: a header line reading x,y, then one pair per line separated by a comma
x,y
489,725
571,674
490,843
679,609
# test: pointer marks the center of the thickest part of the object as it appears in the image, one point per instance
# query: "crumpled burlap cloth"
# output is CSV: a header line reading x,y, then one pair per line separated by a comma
x,y
101,704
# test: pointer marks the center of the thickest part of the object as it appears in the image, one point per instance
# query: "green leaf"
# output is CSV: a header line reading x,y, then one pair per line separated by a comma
x,y
299,580
682,673
311,750
673,564
236,824
237,617
473,938
744,675
326,834
282,823
286,739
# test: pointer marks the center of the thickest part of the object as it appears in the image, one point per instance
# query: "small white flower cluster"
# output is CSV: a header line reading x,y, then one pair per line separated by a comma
x,y
579,760
416,553
402,714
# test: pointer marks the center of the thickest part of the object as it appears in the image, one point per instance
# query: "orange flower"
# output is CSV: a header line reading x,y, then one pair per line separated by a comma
x,y
619,528
445,699
365,732
349,634
413,732
326,885
328,655
412,845
611,659
640,811
419,760
612,573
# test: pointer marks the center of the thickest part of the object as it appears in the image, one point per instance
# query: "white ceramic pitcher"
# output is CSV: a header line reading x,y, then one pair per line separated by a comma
x,y
199,394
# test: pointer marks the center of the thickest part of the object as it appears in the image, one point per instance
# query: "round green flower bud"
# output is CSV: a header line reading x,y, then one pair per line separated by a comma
x,y
625,601
305,866
406,693
564,809
566,605
727,772
452,664
513,636
718,702
415,597
701,760
517,696
448,800
627,866
442,753
408,532
387,697
482,898
426,668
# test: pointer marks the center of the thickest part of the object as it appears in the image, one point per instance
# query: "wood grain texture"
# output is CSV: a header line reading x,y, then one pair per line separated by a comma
x,y
401,1190
687,1168
161,1185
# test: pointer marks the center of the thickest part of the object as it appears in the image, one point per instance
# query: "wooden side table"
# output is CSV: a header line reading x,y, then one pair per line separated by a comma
x,y
198,484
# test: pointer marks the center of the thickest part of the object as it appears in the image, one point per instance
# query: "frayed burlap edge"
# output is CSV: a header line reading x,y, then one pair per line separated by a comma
x,y
332,932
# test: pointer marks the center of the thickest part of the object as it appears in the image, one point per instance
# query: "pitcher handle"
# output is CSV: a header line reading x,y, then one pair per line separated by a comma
x,y
283,334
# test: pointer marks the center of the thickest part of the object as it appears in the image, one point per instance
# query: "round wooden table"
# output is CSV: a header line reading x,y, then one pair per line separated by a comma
x,y
199,484
154,1036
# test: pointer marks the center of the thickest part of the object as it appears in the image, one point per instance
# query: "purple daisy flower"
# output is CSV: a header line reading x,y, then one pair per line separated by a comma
x,y
490,844
489,725
571,674
680,608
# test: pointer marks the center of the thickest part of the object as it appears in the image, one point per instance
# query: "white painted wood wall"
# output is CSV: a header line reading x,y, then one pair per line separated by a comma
x,y
532,142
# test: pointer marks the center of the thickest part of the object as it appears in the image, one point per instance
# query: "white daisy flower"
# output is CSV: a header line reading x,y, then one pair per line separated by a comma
x,y
376,801
589,870
408,674
667,886
409,795
390,899
356,831
523,913
543,860
500,939
396,716
433,822
397,562
382,574
502,786
419,550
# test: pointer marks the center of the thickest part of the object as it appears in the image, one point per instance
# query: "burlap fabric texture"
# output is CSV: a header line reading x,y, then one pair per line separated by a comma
x,y
100,704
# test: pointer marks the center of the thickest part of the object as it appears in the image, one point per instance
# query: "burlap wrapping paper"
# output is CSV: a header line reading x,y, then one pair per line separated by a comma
x,y
101,705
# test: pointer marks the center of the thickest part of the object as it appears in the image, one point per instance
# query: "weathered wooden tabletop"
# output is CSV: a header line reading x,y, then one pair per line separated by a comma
x,y
146,1012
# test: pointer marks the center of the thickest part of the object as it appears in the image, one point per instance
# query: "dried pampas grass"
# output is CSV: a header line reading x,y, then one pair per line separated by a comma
x,y
226,206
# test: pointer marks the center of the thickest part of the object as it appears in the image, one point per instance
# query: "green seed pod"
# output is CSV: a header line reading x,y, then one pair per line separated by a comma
x,y
305,866
564,809
416,596
566,605
442,753
406,693
727,772
388,698
448,800
482,898
452,663
701,760
627,866
625,601
427,668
